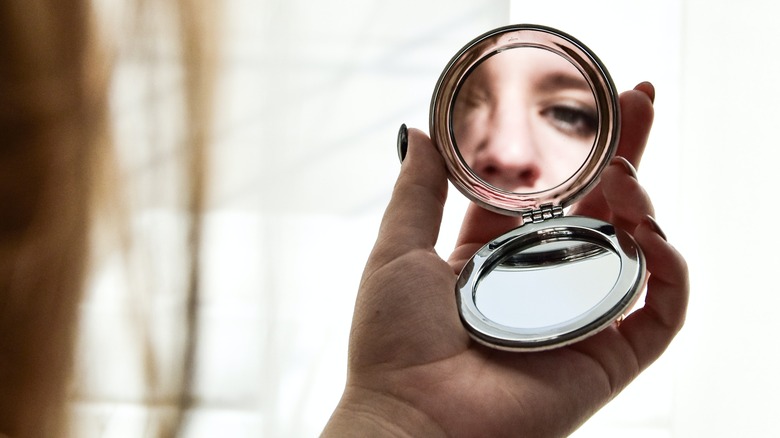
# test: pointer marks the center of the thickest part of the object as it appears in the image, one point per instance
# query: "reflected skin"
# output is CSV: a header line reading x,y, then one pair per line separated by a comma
x,y
414,371
525,120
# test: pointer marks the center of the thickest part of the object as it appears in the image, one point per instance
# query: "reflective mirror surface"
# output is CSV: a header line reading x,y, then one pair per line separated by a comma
x,y
524,119
529,291
548,284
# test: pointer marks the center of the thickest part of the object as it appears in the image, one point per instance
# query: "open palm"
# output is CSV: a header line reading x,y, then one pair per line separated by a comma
x,y
413,368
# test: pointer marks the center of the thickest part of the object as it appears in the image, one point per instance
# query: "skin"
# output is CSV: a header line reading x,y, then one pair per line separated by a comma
x,y
525,120
414,371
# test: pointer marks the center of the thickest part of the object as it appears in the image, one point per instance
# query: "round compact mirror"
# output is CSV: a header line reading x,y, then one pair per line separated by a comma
x,y
527,117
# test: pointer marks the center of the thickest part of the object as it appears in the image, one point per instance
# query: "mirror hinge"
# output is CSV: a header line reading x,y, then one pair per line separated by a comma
x,y
544,212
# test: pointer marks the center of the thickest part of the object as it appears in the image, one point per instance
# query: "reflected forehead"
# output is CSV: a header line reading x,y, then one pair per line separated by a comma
x,y
543,69
562,80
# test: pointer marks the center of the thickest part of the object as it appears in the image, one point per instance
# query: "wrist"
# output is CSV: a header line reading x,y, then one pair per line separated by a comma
x,y
367,412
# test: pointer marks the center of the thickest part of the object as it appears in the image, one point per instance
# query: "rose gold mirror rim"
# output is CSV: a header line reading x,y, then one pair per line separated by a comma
x,y
514,36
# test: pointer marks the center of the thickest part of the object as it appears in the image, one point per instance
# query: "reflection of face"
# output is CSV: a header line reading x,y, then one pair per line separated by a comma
x,y
525,120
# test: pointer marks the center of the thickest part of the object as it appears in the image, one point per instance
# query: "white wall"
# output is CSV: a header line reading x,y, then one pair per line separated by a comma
x,y
730,354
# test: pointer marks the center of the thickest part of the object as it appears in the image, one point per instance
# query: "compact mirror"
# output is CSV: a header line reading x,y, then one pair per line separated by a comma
x,y
527,117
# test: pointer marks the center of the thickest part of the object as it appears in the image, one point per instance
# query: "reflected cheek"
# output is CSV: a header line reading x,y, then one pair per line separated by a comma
x,y
469,134
559,155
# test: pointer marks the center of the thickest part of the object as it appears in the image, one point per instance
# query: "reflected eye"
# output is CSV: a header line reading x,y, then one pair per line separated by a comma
x,y
572,120
472,97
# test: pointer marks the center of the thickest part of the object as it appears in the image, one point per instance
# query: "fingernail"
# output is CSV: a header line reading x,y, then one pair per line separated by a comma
x,y
403,142
655,227
627,166
647,88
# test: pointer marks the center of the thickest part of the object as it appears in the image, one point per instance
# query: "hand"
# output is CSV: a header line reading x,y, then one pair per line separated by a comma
x,y
413,370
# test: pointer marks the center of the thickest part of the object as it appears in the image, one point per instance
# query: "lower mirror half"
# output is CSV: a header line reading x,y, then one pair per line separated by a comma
x,y
529,292
549,287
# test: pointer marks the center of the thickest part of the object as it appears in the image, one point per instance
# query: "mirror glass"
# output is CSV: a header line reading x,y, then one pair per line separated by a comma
x,y
547,284
524,119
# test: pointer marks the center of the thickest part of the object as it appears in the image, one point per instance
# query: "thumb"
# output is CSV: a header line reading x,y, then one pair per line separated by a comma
x,y
413,216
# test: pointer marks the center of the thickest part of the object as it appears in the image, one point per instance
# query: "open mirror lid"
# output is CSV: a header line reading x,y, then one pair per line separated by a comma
x,y
548,201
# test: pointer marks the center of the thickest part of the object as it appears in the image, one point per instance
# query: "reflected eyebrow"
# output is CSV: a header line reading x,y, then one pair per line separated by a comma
x,y
560,80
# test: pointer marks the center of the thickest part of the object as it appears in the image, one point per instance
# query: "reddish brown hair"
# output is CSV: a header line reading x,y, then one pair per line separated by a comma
x,y
53,154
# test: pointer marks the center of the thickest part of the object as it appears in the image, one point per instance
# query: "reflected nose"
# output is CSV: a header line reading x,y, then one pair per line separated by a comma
x,y
508,158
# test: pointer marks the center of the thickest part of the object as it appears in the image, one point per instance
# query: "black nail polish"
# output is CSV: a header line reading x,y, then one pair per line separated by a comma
x,y
647,88
403,142
627,166
655,227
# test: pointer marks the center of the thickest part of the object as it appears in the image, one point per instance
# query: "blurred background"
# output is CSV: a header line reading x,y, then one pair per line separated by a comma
x,y
310,98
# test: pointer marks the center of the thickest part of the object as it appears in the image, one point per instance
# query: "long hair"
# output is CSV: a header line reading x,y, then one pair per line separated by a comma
x,y
55,162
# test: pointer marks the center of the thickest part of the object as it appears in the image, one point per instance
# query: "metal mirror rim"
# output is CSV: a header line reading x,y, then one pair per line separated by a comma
x,y
509,37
